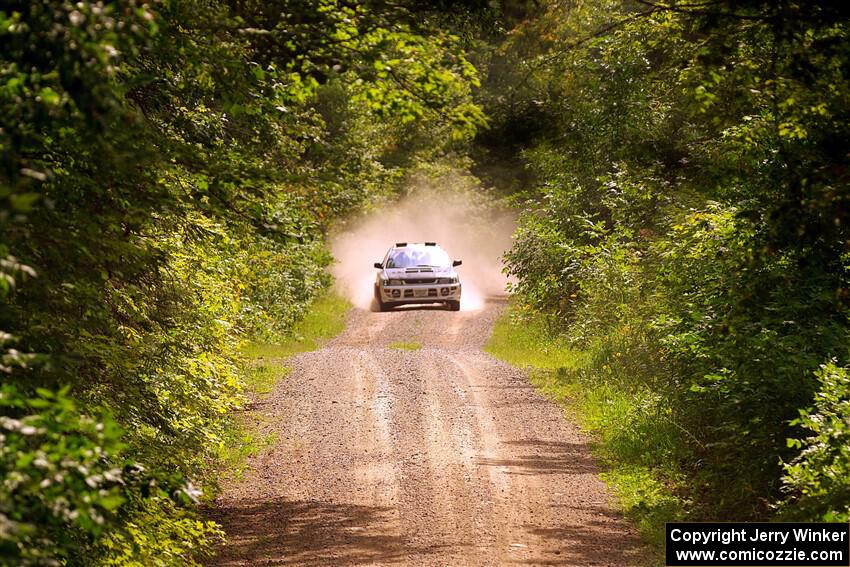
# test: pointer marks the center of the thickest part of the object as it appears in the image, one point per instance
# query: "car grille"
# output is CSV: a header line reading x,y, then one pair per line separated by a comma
x,y
412,281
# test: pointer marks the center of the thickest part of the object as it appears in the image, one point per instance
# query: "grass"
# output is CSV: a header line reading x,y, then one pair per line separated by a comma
x,y
262,373
399,345
265,366
242,439
325,320
629,440
526,343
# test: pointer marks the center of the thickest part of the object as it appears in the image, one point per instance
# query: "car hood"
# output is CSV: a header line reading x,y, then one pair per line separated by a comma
x,y
408,273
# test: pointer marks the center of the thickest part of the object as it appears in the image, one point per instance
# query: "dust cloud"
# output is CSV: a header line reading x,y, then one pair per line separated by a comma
x,y
464,222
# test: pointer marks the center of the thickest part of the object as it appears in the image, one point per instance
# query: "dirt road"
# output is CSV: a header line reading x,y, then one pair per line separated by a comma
x,y
437,456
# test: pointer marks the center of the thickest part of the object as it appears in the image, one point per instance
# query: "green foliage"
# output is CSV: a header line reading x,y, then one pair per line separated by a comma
x,y
159,533
63,477
523,340
686,224
817,481
167,174
324,320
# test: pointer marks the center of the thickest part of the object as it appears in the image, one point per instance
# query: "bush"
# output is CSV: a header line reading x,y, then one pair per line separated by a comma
x,y
687,228
817,480
169,179
63,478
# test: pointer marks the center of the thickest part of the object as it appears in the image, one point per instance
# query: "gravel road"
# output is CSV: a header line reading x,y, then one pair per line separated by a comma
x,y
437,456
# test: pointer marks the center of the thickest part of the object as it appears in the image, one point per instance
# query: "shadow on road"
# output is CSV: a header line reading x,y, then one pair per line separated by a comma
x,y
606,541
545,457
309,533
596,536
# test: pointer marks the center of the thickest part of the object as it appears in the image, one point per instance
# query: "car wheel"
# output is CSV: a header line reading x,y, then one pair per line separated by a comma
x,y
453,305
377,305
380,305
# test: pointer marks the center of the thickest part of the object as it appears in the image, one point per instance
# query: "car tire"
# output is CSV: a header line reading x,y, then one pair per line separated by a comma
x,y
378,306
453,305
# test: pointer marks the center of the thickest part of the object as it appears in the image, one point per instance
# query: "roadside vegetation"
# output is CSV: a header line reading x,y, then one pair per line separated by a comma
x,y
168,173
324,320
684,243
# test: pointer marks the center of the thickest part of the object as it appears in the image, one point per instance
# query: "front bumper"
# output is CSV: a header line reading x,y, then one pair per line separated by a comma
x,y
418,293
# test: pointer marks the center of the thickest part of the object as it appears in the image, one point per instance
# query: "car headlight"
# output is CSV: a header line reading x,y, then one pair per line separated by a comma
x,y
447,280
393,282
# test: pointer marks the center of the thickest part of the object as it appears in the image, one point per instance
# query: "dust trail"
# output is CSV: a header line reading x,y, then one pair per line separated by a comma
x,y
461,219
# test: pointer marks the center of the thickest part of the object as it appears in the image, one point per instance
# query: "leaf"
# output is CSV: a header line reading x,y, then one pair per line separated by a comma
x,y
23,202
49,97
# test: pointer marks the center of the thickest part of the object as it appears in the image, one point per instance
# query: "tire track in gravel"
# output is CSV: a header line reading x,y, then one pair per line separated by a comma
x,y
439,456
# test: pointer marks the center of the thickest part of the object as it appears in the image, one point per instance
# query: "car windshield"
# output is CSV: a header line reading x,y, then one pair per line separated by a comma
x,y
412,257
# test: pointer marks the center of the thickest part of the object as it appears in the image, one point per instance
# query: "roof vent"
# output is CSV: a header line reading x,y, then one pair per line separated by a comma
x,y
400,244
430,244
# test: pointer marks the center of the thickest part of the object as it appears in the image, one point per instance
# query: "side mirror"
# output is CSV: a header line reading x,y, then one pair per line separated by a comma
x,y
457,263
379,265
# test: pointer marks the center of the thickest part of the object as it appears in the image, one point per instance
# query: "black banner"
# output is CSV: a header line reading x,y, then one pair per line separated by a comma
x,y
742,544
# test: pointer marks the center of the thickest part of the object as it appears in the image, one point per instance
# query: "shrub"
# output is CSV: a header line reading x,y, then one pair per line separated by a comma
x,y
817,480
62,478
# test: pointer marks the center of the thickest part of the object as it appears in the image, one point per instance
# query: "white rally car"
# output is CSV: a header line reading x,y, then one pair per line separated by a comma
x,y
417,273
